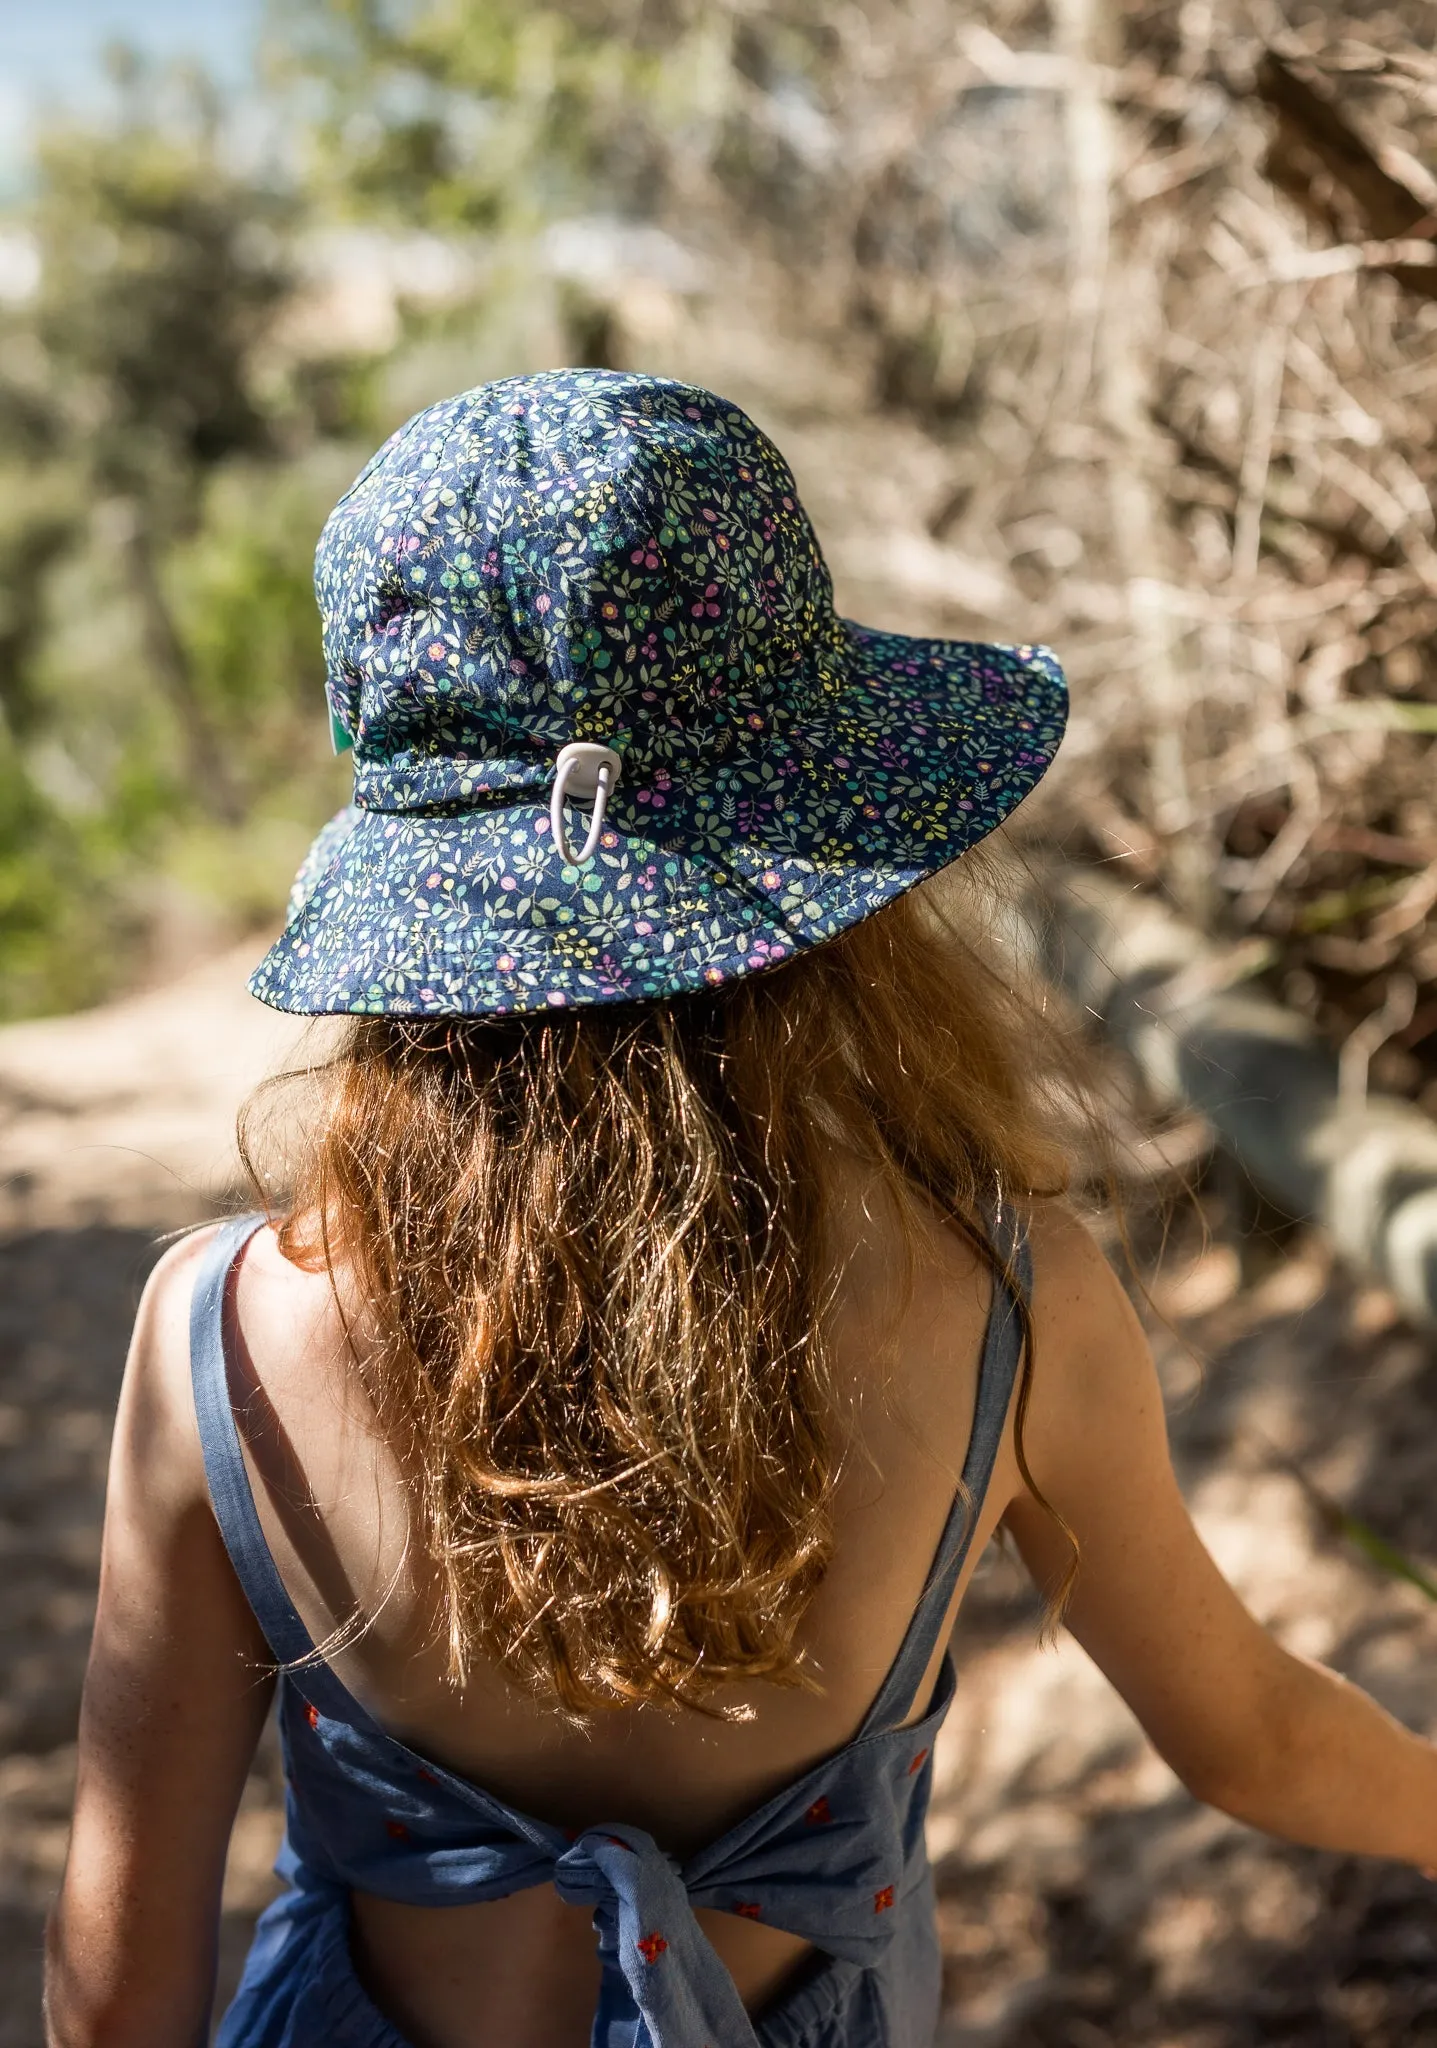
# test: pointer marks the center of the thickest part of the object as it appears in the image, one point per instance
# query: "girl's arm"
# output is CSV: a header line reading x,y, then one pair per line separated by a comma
x,y
175,1697
1270,1738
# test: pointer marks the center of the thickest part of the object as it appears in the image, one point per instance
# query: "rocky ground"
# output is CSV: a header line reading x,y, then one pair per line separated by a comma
x,y
1084,1899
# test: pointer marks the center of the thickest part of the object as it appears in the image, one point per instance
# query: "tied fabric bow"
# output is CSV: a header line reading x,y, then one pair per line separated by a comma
x,y
663,1983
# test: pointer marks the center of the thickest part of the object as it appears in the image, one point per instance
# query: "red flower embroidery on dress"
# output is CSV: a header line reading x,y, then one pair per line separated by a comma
x,y
883,1900
311,1714
652,1946
917,1763
819,1814
750,1910
396,1830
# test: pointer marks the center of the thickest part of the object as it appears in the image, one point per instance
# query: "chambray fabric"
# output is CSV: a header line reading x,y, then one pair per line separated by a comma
x,y
597,555
838,1857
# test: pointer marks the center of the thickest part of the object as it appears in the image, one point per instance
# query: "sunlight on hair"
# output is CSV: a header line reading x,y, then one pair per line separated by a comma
x,y
591,1252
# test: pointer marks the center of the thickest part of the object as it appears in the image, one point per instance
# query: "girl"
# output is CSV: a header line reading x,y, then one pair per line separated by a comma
x,y
671,1299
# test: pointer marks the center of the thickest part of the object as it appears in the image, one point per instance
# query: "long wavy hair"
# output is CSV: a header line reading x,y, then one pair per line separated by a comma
x,y
593,1255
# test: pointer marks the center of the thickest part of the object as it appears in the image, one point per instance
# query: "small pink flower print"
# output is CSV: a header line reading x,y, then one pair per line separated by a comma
x,y
517,666
557,998
609,610
755,722
642,927
436,650
770,879
543,601
507,882
713,974
651,1947
432,881
505,963
608,839
883,1900
710,515
691,412
787,504
697,610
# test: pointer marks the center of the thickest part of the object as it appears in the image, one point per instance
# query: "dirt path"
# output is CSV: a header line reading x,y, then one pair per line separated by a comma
x,y
1084,1899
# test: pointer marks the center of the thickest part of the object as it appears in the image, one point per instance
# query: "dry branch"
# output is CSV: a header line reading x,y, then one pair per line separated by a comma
x,y
1389,207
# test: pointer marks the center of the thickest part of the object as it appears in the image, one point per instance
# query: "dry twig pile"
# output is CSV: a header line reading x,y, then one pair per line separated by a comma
x,y
1160,284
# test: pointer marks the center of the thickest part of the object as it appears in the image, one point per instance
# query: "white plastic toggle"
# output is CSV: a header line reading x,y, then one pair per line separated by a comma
x,y
584,772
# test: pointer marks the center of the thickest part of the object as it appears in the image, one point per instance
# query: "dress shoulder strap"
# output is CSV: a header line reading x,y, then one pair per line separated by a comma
x,y
997,1372
211,1309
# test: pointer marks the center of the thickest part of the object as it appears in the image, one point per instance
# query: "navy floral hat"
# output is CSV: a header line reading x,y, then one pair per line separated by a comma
x,y
611,740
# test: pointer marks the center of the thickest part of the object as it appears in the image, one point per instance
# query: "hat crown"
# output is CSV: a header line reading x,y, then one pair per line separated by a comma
x,y
581,554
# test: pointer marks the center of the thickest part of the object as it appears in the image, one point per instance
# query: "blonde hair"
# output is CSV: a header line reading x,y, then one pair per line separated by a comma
x,y
591,1247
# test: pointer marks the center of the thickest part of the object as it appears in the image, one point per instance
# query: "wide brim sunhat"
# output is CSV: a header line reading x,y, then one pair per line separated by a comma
x,y
592,556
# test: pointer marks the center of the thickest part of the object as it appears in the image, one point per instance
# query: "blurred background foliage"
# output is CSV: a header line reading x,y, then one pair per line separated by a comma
x,y
215,339
162,470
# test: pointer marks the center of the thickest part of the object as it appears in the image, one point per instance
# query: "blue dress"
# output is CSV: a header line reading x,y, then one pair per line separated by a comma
x,y
837,1858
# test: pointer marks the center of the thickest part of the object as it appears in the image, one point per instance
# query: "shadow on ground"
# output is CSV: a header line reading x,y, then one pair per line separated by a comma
x,y
67,1300
1086,1901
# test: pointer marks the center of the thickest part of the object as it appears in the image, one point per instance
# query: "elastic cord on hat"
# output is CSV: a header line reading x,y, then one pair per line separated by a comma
x,y
583,770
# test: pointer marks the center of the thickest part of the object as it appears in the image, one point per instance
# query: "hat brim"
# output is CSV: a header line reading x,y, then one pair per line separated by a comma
x,y
911,752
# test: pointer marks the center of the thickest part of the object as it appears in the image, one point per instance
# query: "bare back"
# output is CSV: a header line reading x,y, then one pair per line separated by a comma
x,y
335,1510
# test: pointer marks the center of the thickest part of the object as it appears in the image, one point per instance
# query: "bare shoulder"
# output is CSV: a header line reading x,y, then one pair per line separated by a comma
x,y
1090,1353
165,1303
156,1420
1071,1272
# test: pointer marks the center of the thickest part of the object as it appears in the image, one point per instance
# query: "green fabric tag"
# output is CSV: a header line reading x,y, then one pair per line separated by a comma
x,y
342,740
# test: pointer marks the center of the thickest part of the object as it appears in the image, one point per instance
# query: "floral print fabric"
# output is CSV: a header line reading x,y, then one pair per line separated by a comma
x,y
594,555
